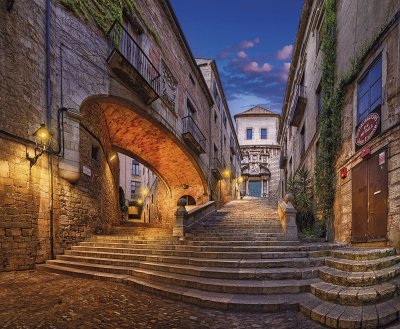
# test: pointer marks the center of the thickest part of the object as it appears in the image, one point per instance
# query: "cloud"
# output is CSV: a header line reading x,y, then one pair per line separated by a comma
x,y
285,71
254,67
244,44
242,54
285,52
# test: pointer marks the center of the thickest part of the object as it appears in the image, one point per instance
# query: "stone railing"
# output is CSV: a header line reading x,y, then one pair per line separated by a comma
x,y
287,216
186,219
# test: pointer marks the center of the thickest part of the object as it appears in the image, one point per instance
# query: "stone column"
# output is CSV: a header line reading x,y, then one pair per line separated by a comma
x,y
180,216
290,212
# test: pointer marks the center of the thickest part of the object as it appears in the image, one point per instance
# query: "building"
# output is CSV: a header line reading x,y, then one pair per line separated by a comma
x,y
225,150
257,131
102,81
350,126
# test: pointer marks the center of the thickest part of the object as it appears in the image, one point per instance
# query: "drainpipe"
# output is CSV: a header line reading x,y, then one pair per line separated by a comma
x,y
48,117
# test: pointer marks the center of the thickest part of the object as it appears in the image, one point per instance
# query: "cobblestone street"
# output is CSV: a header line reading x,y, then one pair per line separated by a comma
x,y
38,299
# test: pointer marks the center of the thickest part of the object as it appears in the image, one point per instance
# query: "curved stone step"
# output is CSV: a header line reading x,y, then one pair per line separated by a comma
x,y
206,272
221,301
362,266
355,296
229,263
363,253
359,279
343,316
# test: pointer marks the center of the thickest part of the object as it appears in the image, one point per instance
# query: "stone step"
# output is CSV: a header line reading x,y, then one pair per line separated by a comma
x,y
222,242
221,301
215,272
192,256
133,241
356,296
229,263
362,266
344,316
363,253
221,248
359,279
203,283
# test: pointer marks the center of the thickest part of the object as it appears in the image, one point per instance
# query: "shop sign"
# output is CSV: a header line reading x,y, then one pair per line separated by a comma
x,y
381,158
367,129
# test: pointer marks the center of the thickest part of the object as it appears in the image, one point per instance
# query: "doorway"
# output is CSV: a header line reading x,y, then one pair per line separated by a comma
x,y
369,197
255,188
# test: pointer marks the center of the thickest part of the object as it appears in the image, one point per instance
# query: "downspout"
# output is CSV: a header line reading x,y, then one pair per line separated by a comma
x,y
48,117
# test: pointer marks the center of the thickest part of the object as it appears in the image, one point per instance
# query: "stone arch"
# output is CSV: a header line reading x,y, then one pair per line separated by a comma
x,y
190,201
130,129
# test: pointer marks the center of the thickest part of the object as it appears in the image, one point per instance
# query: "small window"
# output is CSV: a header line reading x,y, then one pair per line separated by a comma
x,y
215,90
215,116
224,118
134,188
95,153
369,91
190,107
249,133
302,141
192,80
135,168
263,133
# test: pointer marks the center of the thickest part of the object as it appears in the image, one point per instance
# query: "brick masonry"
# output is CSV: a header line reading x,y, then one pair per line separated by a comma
x,y
104,108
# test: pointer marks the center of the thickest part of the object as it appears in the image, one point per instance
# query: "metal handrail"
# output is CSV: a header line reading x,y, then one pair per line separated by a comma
x,y
121,40
189,126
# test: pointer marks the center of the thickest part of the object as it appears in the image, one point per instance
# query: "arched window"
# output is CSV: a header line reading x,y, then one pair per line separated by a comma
x,y
190,201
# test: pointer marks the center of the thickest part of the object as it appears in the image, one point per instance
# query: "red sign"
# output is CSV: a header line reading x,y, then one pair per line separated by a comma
x,y
365,152
343,172
367,129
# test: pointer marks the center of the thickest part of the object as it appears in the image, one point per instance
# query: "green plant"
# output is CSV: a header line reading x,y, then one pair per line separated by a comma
x,y
105,12
302,188
122,202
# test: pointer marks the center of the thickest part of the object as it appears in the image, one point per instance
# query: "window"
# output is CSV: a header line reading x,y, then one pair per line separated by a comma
x,y
302,141
224,118
134,188
192,80
369,91
135,168
224,141
190,107
263,133
249,133
319,103
215,90
319,34
95,153
215,116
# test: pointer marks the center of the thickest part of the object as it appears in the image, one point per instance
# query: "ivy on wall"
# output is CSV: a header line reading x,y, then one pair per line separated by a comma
x,y
331,116
105,12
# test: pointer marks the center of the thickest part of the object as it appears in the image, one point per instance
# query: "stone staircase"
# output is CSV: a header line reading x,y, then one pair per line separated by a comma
x,y
238,259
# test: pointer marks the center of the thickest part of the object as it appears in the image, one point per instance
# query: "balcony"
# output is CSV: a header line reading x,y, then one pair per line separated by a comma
x,y
131,65
232,145
299,106
193,136
217,168
283,159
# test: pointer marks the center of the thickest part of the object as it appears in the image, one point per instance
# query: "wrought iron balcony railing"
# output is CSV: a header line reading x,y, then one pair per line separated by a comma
x,y
126,47
299,105
193,136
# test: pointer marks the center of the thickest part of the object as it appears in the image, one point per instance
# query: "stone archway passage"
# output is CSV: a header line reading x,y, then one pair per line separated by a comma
x,y
133,132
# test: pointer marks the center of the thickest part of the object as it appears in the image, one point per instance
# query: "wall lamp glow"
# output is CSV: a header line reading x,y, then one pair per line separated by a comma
x,y
113,156
226,173
42,139
240,179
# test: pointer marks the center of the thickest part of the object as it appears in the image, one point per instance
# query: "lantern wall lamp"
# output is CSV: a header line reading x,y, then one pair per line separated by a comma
x,y
42,141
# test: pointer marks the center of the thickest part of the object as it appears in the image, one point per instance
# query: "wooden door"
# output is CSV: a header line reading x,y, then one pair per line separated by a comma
x,y
377,196
360,202
369,195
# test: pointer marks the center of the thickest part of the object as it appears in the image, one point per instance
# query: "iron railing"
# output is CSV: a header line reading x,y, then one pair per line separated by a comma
x,y
121,40
299,92
189,126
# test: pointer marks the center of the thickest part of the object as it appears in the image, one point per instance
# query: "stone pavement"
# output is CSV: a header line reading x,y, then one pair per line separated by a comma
x,y
47,300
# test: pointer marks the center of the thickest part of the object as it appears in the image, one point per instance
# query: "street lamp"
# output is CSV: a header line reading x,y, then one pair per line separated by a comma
x,y
226,173
42,140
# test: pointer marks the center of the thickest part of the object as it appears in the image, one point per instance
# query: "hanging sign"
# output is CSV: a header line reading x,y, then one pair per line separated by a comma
x,y
381,158
367,129
87,171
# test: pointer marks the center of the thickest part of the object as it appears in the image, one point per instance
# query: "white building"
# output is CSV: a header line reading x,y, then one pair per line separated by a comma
x,y
257,131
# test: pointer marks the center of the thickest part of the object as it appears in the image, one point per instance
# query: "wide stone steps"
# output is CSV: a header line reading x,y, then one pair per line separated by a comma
x,y
230,263
197,271
222,301
362,266
362,254
344,316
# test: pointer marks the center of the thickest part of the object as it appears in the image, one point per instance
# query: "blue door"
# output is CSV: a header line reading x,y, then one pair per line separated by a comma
x,y
255,188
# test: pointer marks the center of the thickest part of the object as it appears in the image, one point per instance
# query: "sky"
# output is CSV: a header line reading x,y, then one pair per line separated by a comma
x,y
252,42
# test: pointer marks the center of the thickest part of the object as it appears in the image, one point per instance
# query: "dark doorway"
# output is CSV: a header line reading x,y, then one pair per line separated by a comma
x,y
190,201
369,195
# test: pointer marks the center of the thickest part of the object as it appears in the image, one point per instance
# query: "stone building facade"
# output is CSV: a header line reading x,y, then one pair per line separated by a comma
x,y
367,176
257,131
225,149
106,84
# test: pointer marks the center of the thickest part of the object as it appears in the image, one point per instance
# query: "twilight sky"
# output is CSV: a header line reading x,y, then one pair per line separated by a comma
x,y
252,41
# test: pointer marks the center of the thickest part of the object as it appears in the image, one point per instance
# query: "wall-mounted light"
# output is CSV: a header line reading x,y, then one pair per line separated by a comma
x,y
240,179
144,191
226,173
42,140
185,186
139,201
113,156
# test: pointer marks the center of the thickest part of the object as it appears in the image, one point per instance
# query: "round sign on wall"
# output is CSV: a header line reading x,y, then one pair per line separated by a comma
x,y
367,129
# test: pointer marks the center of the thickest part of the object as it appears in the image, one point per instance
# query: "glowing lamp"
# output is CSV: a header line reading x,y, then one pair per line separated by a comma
x,y
113,156
240,179
226,173
42,140
139,201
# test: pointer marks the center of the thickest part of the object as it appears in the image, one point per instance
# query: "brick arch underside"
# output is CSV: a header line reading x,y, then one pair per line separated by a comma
x,y
133,133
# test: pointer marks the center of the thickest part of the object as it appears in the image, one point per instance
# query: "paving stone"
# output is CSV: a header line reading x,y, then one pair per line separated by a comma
x,y
351,317
369,317
332,318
